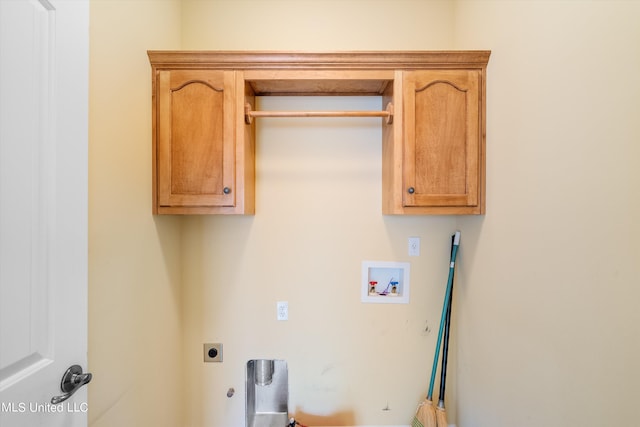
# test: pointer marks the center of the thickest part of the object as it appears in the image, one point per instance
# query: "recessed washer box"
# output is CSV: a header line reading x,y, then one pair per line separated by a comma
x,y
385,282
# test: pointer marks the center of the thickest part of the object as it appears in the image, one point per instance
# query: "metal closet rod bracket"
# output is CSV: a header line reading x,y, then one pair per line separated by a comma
x,y
249,114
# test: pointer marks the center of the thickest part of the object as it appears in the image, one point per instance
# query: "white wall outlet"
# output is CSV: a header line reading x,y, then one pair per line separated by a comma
x,y
414,246
283,310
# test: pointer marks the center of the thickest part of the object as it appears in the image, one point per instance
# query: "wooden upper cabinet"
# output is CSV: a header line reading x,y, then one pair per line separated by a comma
x,y
442,140
196,143
432,119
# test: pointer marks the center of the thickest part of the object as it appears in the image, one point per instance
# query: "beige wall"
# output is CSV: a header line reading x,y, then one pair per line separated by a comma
x,y
134,258
318,216
548,304
317,24
546,319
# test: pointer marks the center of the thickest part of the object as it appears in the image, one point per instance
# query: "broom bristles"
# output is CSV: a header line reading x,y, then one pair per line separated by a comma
x,y
425,415
441,417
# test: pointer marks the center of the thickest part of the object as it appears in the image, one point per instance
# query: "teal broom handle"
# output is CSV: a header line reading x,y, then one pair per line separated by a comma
x,y
445,307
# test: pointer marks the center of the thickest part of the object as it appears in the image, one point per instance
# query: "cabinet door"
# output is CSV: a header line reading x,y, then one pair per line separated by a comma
x,y
442,138
195,163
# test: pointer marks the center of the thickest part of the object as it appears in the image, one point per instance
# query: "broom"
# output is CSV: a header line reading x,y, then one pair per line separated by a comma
x,y
441,414
425,415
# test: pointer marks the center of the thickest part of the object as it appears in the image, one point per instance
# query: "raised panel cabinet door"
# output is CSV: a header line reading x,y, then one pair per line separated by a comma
x,y
196,157
442,138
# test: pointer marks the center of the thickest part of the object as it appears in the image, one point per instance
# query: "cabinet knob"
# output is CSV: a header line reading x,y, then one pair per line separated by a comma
x,y
411,190
226,190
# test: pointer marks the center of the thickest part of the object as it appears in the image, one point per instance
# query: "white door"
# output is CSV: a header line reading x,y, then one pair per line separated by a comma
x,y
43,209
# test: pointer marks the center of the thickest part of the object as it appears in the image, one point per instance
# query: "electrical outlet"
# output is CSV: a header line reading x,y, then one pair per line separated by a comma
x,y
414,246
283,310
213,352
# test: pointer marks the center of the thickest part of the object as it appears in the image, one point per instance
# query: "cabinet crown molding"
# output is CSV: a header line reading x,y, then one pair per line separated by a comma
x,y
244,60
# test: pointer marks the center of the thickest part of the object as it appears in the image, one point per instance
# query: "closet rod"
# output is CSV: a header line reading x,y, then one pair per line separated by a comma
x,y
249,114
